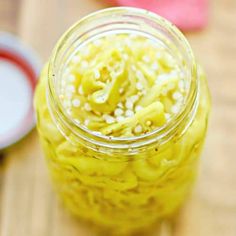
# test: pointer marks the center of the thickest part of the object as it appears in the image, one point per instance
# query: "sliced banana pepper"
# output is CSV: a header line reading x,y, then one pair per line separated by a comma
x,y
121,86
153,113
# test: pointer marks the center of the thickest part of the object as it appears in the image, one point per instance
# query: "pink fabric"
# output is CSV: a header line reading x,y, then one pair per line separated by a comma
x,y
186,14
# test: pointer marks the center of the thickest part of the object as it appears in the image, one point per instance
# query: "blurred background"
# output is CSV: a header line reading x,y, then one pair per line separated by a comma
x,y
28,206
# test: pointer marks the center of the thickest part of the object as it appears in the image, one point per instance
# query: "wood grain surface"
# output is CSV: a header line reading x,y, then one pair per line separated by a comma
x,y
28,206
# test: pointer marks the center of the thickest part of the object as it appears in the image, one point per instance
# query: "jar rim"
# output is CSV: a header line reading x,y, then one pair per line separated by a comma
x,y
95,140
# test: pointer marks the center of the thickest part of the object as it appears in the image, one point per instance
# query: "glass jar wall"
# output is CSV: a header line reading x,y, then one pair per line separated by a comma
x,y
122,184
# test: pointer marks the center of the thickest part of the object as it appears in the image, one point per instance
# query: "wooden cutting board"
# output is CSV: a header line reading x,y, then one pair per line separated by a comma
x,y
28,207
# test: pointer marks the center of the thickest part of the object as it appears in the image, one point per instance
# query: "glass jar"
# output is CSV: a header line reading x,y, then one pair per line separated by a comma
x,y
122,185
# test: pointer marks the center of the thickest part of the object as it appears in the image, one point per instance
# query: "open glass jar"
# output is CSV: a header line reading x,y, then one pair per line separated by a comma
x,y
122,184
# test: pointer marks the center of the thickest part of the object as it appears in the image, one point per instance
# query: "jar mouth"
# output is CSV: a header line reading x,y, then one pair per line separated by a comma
x,y
124,18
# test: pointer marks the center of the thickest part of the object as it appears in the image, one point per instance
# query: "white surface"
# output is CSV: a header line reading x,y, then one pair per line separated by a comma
x,y
15,97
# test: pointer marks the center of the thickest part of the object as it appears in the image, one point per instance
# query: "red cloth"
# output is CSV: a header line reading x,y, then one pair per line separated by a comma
x,y
186,14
